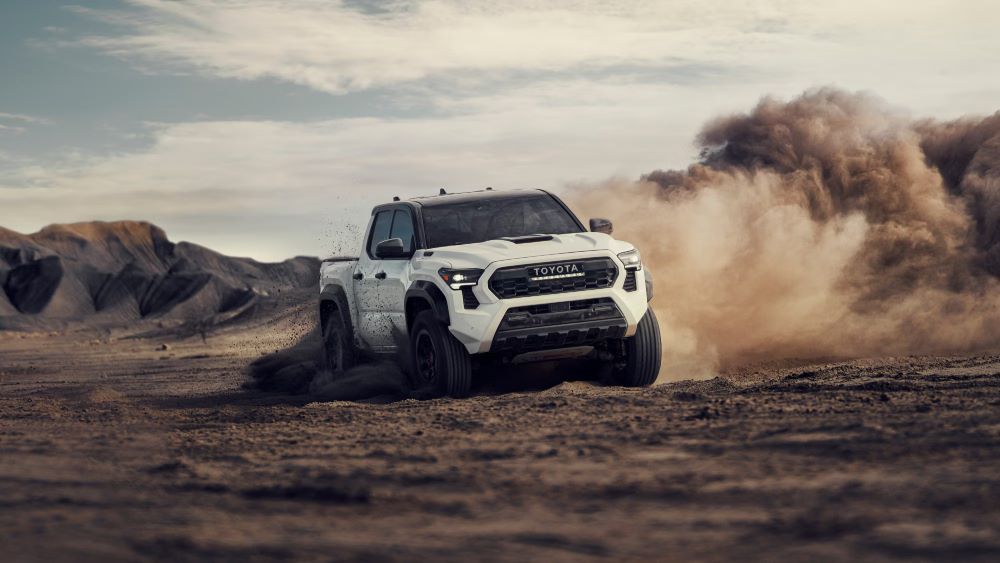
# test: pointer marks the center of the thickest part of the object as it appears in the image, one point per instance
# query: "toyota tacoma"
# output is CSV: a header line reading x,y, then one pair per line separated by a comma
x,y
448,282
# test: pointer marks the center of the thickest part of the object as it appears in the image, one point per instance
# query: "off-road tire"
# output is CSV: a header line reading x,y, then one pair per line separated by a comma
x,y
448,368
643,354
338,350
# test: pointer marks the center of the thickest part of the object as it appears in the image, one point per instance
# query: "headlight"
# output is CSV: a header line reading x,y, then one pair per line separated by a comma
x,y
631,259
457,279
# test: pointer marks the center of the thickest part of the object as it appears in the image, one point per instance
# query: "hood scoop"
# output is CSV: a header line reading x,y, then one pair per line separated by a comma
x,y
527,238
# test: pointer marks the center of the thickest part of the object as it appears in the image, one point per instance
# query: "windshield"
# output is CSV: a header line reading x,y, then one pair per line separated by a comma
x,y
493,218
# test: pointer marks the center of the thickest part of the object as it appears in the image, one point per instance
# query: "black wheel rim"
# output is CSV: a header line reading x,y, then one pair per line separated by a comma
x,y
426,357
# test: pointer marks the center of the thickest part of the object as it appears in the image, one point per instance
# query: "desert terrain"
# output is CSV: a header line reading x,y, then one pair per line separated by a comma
x,y
161,402
823,266
156,446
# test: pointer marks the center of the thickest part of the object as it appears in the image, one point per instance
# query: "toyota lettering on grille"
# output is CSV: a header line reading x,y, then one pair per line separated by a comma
x,y
554,272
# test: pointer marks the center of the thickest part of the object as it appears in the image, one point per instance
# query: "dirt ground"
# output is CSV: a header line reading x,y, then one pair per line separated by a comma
x,y
111,449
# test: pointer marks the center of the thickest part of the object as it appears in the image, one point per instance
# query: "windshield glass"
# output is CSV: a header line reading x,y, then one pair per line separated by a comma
x,y
489,219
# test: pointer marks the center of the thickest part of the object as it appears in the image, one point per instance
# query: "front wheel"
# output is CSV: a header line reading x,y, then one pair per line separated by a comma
x,y
439,361
642,354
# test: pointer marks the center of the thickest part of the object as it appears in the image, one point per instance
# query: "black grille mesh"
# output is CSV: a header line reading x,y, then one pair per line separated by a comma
x,y
507,283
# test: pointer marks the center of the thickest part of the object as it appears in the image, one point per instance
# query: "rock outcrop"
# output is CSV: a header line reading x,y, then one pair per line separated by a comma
x,y
124,271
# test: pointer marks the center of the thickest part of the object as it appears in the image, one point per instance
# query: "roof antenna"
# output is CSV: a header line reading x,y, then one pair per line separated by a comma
x,y
442,192
395,198
489,188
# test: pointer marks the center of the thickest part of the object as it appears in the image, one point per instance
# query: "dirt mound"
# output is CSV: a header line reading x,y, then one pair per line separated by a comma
x,y
120,272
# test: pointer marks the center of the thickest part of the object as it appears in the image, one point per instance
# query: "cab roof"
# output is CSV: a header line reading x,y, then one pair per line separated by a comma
x,y
435,200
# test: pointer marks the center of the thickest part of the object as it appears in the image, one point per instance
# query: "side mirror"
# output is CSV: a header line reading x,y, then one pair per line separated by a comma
x,y
392,248
599,225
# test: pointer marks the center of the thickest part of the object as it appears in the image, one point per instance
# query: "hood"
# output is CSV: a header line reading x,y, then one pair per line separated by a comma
x,y
481,255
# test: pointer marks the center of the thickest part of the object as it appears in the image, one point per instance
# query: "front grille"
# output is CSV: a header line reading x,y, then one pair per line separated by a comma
x,y
469,300
630,283
523,281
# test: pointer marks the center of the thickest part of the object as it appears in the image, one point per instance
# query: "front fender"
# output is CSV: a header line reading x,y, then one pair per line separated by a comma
x,y
432,296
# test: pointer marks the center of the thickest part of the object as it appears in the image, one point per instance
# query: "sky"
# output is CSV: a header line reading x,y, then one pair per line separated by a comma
x,y
269,128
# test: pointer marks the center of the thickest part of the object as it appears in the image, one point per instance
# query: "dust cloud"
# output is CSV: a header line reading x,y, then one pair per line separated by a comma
x,y
297,369
829,226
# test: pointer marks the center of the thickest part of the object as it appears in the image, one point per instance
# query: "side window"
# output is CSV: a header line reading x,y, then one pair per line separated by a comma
x,y
380,230
402,228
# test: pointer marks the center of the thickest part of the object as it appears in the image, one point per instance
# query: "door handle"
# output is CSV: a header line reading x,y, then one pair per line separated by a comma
x,y
358,275
380,276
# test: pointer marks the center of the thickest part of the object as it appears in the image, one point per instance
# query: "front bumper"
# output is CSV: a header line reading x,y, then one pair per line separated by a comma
x,y
487,328
559,325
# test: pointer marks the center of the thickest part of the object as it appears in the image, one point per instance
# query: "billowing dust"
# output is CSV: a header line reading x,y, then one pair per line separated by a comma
x,y
298,369
827,226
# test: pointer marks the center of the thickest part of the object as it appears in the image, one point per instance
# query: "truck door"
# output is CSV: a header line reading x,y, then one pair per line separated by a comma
x,y
393,285
373,327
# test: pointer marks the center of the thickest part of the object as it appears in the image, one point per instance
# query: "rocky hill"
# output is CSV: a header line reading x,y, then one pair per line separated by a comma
x,y
126,271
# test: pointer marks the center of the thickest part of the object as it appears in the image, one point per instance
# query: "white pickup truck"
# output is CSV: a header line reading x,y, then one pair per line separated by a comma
x,y
446,282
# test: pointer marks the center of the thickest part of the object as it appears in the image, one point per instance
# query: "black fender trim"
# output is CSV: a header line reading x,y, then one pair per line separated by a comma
x,y
432,296
336,294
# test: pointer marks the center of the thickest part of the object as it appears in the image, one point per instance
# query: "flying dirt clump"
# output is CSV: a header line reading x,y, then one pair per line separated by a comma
x,y
827,226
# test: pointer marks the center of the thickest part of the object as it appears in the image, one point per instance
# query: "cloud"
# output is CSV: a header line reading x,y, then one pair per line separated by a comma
x,y
337,47
23,118
921,53
511,94
15,123
313,173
